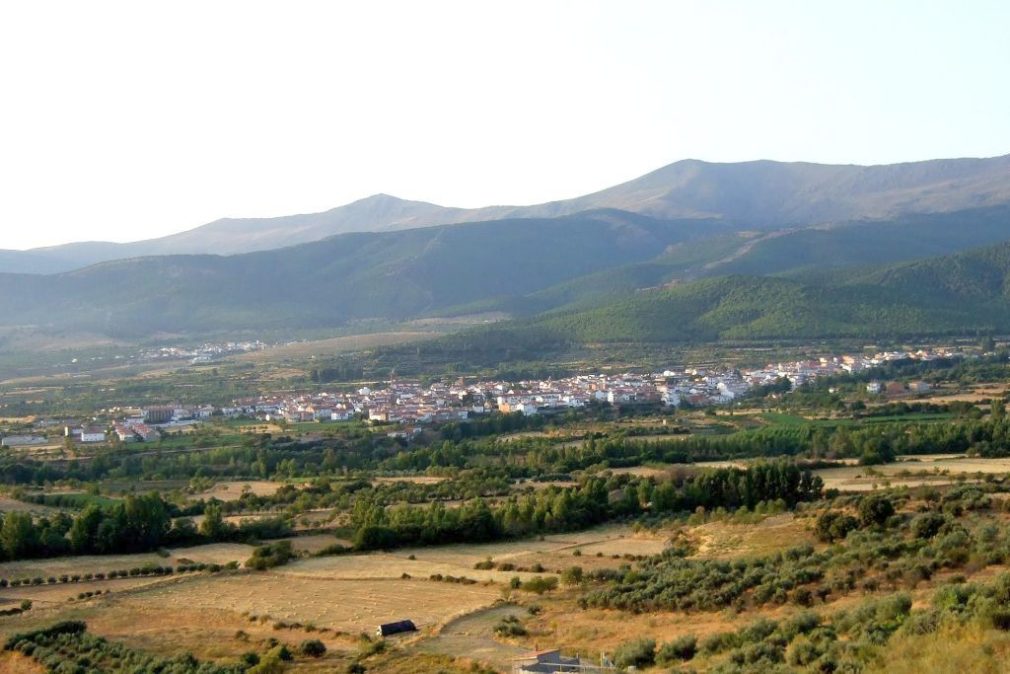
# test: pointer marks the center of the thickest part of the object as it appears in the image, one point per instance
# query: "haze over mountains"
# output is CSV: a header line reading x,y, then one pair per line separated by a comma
x,y
693,251
748,195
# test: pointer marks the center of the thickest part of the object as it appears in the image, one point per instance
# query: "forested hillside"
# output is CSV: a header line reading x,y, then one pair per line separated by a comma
x,y
392,275
962,294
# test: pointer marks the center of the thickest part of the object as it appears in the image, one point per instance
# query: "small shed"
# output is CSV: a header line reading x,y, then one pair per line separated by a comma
x,y
398,627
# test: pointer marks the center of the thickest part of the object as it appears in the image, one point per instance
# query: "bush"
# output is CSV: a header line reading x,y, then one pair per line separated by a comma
x,y
540,584
928,525
639,653
682,648
572,576
267,556
510,627
313,648
875,510
834,526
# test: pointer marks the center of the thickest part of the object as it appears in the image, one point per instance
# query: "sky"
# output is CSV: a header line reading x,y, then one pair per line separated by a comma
x,y
122,121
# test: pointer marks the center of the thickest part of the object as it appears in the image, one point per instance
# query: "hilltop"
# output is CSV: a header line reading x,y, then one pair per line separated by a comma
x,y
746,195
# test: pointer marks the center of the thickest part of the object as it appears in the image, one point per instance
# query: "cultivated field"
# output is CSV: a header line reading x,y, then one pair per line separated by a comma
x,y
726,540
912,471
232,491
351,606
218,553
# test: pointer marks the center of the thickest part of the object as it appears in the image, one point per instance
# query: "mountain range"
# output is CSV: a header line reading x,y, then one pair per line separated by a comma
x,y
747,195
692,252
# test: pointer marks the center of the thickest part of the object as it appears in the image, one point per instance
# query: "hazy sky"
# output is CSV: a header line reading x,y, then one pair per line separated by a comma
x,y
128,120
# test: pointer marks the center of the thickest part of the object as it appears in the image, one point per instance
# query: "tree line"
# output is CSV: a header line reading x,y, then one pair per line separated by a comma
x,y
593,501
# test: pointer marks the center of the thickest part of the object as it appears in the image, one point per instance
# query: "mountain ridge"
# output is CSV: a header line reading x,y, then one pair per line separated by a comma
x,y
761,194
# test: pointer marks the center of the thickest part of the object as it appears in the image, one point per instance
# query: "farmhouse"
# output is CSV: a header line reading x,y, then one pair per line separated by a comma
x,y
550,662
398,627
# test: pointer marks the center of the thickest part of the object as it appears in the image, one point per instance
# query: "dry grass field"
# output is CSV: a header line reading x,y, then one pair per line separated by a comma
x,y
473,635
911,471
232,491
59,594
218,634
15,663
218,553
725,540
659,469
976,394
351,606
332,345
594,630
553,552
413,479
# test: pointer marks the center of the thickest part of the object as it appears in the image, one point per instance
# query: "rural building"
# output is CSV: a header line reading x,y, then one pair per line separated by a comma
x,y
874,387
552,662
92,434
398,627
159,415
919,387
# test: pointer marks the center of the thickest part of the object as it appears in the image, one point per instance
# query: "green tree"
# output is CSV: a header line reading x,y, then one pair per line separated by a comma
x,y
17,536
213,525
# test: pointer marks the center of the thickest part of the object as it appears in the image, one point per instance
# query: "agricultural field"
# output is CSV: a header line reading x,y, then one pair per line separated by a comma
x,y
913,471
723,539
233,490
586,531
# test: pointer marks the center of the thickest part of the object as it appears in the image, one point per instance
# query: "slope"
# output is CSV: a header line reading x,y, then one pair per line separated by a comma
x,y
963,294
391,275
761,194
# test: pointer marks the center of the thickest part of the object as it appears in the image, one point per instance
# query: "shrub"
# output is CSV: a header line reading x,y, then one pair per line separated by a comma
x,y
639,653
834,526
510,627
928,525
681,648
572,576
875,510
540,584
313,648
267,556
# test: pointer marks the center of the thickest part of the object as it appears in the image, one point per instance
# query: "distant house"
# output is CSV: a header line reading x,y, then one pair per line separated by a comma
x,y
550,662
92,434
159,415
874,387
125,433
919,387
146,433
398,627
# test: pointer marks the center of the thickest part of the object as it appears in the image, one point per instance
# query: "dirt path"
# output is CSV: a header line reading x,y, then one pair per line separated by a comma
x,y
472,636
